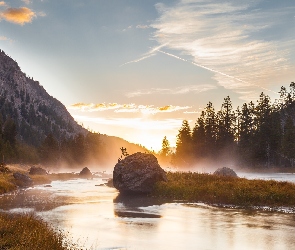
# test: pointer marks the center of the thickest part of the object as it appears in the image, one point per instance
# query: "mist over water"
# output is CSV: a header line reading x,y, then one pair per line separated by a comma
x,y
97,217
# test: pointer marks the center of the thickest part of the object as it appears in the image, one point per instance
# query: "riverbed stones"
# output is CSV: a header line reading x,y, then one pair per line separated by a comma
x,y
138,173
23,180
85,173
225,172
37,171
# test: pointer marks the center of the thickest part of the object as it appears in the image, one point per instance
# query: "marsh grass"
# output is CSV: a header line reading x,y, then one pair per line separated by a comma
x,y
196,187
40,179
46,179
28,232
6,183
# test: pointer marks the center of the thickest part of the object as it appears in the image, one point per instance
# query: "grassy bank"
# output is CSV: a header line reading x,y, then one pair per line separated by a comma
x,y
24,232
7,183
195,187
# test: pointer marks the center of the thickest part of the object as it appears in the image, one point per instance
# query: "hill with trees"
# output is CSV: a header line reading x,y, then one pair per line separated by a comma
x,y
37,128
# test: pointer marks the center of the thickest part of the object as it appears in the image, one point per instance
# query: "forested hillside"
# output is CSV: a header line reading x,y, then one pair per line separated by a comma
x,y
37,128
258,134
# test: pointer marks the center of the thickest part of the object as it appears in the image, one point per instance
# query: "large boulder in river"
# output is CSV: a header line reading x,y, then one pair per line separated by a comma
x,y
225,172
137,173
37,171
85,173
22,180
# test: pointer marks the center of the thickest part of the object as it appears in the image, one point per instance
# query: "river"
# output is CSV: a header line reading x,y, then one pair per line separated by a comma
x,y
96,217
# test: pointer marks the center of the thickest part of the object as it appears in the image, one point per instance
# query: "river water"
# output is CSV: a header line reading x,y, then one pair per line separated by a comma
x,y
96,217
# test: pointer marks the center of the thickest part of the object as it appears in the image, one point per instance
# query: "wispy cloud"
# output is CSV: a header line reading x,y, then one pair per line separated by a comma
x,y
175,91
27,1
2,3
126,108
223,38
90,107
140,26
18,15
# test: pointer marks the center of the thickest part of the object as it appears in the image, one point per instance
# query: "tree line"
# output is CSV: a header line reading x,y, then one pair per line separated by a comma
x,y
255,135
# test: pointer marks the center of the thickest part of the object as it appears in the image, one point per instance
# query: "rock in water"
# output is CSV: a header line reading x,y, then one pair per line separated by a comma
x,y
137,173
23,180
85,173
225,172
37,171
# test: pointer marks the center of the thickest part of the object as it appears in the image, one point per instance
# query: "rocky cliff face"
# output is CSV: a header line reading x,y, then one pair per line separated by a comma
x,y
34,111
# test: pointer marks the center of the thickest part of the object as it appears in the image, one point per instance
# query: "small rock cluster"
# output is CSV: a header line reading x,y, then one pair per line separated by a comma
x,y
23,180
85,173
225,172
37,171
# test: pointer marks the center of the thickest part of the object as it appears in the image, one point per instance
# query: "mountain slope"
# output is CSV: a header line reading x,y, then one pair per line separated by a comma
x,y
34,111
28,112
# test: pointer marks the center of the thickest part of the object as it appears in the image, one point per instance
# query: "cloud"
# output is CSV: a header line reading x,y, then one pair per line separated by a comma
x,y
225,37
91,107
4,38
142,26
175,91
41,13
126,108
2,3
27,1
134,123
18,15
128,28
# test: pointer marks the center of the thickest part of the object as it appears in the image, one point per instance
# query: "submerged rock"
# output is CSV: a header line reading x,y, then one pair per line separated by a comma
x,y
23,180
225,172
138,173
37,171
85,173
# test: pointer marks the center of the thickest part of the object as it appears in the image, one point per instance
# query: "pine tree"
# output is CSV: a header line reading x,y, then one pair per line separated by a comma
x,y
199,137
9,132
49,150
288,140
183,145
263,131
210,130
165,151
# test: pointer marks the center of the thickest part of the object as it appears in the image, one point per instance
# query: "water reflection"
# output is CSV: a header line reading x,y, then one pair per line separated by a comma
x,y
136,206
98,218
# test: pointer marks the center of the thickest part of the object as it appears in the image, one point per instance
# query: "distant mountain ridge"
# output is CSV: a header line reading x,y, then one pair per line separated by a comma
x,y
34,111
36,114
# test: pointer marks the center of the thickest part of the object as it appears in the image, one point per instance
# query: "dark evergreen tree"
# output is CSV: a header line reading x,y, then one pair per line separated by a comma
x,y
199,137
288,141
49,150
210,130
165,151
183,152
9,132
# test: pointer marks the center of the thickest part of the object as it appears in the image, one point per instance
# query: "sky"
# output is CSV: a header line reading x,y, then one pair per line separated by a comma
x,y
136,68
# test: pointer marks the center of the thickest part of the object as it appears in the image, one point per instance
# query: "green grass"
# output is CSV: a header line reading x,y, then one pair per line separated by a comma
x,y
196,187
27,232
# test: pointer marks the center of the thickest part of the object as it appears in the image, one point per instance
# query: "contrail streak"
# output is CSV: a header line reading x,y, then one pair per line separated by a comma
x,y
138,60
213,70
146,55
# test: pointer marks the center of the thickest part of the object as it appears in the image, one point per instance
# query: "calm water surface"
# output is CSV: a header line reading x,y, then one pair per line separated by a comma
x,y
98,218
